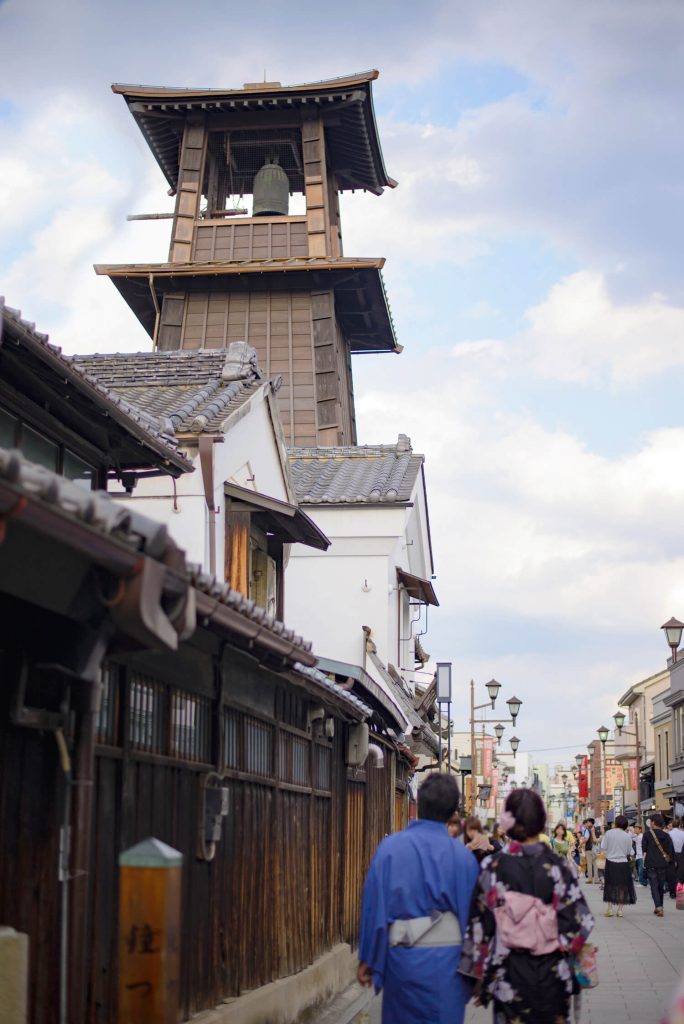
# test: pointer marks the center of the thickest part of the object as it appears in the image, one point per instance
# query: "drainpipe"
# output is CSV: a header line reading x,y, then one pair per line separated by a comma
x,y
206,454
86,702
63,875
157,314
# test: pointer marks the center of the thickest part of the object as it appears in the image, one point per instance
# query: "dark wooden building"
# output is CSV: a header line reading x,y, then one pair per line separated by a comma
x,y
277,280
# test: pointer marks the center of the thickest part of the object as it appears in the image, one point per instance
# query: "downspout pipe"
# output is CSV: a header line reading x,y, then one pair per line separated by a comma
x,y
206,454
85,701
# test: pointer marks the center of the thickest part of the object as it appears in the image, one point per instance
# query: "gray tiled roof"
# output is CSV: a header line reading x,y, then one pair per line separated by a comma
x,y
182,390
132,418
355,475
97,511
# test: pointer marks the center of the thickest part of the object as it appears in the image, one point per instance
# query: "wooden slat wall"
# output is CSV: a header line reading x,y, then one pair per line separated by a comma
x,y
31,807
355,864
278,325
286,880
189,192
253,238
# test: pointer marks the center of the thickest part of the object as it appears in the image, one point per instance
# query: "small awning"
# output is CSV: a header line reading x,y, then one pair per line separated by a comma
x,y
285,521
420,589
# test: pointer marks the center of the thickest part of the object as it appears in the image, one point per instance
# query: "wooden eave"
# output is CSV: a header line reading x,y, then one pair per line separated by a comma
x,y
38,375
289,522
354,151
360,298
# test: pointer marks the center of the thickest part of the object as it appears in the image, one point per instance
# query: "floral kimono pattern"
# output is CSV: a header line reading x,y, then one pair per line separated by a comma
x,y
526,988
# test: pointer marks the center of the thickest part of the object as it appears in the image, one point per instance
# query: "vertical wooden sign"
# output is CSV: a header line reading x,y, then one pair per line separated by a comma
x,y
149,933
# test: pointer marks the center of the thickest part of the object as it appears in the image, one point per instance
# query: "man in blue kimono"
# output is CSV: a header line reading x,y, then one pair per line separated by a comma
x,y
416,901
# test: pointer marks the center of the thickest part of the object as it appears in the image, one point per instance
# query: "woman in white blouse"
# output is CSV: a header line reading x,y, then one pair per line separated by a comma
x,y
618,888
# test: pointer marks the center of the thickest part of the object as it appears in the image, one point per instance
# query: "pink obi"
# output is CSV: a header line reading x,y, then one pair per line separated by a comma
x,y
525,922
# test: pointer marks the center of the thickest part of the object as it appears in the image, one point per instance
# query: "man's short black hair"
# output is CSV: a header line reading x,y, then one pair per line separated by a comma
x,y
658,820
588,821
438,797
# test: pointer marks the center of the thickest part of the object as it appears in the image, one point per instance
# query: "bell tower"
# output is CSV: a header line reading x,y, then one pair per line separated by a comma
x,y
256,251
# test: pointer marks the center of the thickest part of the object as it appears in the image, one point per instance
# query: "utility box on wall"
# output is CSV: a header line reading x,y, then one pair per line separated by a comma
x,y
357,745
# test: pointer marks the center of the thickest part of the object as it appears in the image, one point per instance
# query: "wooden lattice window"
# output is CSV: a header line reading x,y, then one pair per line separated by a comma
x,y
107,725
294,759
190,726
322,757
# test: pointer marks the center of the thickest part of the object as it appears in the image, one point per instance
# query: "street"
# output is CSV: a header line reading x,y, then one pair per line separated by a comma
x,y
641,958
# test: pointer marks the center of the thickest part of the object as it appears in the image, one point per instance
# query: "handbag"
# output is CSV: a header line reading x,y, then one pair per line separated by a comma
x,y
585,966
600,861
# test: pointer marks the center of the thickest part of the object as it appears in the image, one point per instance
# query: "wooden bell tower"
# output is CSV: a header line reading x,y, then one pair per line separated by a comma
x,y
276,279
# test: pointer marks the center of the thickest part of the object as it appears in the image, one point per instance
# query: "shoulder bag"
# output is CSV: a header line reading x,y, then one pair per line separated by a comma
x,y
666,857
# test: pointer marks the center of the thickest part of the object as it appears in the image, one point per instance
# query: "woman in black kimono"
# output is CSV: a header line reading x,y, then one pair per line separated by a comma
x,y
528,919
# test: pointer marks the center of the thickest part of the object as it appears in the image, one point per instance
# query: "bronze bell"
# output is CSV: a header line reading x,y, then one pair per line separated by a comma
x,y
271,191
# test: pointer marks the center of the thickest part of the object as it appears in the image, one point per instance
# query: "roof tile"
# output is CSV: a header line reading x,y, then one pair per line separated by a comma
x,y
355,475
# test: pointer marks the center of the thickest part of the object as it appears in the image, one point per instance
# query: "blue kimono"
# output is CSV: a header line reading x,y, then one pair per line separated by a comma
x,y
413,873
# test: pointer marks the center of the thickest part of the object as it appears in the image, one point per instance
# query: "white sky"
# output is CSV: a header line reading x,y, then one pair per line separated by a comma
x,y
534,271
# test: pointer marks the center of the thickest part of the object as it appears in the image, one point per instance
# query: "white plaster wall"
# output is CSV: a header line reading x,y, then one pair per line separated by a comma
x,y
248,456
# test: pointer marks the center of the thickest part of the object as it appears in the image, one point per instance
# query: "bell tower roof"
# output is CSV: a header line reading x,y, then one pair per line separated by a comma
x,y
345,105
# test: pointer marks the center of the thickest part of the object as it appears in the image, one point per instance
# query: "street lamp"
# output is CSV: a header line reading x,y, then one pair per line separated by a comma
x,y
603,734
619,719
673,635
484,792
579,760
493,690
515,743
514,705
443,688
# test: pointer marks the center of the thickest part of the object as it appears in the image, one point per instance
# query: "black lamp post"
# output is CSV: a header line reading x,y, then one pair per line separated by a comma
x,y
673,635
498,731
515,743
514,705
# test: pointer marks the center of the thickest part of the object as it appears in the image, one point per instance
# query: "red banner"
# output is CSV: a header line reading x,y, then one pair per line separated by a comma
x,y
583,779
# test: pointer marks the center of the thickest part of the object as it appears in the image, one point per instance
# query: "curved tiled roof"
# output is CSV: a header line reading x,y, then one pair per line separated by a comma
x,y
97,511
132,419
373,474
183,390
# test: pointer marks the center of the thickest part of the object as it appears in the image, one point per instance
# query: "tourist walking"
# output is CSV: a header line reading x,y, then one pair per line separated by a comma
x,y
590,841
676,833
415,909
639,856
618,885
658,853
476,839
528,916
560,840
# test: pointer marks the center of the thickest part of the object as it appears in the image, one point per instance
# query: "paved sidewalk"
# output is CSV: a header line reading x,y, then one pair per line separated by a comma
x,y
640,960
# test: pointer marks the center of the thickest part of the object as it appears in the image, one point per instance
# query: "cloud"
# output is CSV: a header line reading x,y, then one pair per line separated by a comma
x,y
580,334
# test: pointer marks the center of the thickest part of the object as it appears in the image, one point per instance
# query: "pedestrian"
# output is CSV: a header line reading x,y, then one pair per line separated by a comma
x,y
677,837
560,841
590,841
415,910
618,888
454,826
476,839
639,856
658,853
528,917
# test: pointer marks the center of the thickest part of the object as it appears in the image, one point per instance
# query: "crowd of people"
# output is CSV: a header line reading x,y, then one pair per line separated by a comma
x,y
453,911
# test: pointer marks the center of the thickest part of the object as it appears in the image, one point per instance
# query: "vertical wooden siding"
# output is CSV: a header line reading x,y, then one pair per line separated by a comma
x,y
286,880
